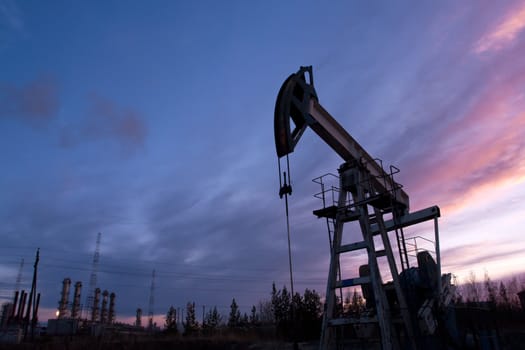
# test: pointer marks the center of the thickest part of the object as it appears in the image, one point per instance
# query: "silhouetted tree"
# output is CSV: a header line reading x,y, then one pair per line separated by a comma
x,y
275,301
472,288
338,305
171,320
491,290
309,315
281,307
357,304
347,302
245,321
512,292
281,304
503,297
266,312
296,308
311,304
235,315
212,320
254,319
191,326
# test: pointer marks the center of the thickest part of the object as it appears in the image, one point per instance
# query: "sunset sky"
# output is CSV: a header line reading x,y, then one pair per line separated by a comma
x,y
152,123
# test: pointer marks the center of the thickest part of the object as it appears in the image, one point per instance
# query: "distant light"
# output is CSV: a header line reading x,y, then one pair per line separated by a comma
x,y
57,313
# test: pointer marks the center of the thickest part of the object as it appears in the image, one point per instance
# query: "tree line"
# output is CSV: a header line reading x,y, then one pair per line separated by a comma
x,y
297,316
502,295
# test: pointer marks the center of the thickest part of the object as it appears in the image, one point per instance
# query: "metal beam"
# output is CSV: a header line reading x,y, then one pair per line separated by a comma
x,y
416,217
349,149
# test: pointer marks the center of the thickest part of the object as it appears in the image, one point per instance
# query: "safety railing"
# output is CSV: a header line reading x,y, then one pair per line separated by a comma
x,y
329,193
387,179
416,246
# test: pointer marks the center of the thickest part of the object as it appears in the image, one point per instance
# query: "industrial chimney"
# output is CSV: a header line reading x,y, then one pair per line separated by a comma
x,y
96,300
75,310
111,316
104,312
64,299
138,321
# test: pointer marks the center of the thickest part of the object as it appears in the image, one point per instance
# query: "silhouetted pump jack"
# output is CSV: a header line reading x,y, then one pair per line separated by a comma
x,y
410,311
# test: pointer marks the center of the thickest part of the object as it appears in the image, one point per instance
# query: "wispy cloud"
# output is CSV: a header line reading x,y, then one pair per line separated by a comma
x,y
494,156
36,102
106,120
10,17
478,144
505,33
477,256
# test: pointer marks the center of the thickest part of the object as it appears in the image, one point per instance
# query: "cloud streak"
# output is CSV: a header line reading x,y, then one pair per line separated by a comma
x,y
491,119
504,34
11,21
480,255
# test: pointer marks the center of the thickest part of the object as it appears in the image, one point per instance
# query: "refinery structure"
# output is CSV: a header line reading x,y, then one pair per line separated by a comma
x,y
19,318
94,316
69,318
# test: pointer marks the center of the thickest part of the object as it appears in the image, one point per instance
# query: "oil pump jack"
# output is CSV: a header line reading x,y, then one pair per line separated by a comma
x,y
412,310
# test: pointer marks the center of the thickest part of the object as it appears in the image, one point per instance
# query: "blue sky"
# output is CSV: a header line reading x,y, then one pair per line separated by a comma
x,y
152,123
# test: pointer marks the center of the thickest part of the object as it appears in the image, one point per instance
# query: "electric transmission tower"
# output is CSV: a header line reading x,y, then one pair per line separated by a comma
x,y
93,277
19,276
151,301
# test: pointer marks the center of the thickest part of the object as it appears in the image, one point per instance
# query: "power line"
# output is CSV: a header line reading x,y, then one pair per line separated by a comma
x,y
185,275
125,263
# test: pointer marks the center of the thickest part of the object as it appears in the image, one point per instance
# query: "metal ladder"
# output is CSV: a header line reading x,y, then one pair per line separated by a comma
x,y
368,208
330,191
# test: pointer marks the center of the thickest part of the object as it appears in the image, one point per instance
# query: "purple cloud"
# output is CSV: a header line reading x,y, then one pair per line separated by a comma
x,y
36,102
107,121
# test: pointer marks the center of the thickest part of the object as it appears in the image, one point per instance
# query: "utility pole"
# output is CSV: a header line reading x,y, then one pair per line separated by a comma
x,y
151,301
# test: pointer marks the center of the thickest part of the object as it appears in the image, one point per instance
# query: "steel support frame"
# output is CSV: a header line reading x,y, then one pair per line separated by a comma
x,y
354,179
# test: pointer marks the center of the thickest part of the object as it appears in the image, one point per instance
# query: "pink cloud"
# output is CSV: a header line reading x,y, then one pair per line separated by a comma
x,y
37,102
480,255
107,121
505,33
484,147
484,163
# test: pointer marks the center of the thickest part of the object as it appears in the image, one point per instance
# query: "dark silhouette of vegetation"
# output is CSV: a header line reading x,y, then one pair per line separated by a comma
x,y
171,321
234,320
490,294
191,326
254,318
491,306
212,322
305,321
485,305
